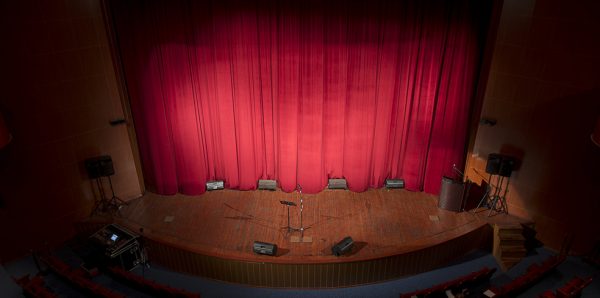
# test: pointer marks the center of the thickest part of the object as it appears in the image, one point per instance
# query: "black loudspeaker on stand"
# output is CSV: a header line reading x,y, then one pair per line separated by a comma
x,y
499,166
98,168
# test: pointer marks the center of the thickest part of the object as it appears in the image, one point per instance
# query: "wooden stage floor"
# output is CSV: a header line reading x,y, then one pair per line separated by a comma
x,y
396,233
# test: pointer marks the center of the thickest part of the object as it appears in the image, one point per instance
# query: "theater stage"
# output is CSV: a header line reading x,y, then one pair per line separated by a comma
x,y
396,233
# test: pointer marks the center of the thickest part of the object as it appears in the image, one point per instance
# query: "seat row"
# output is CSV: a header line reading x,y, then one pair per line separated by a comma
x,y
78,278
34,287
533,274
148,286
455,285
572,288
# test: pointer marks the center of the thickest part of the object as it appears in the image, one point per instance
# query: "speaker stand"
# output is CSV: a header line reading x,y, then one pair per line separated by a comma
x,y
485,199
495,201
100,202
498,200
103,204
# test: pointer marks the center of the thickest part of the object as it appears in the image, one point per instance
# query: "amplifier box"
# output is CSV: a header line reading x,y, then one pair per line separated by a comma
x,y
337,184
264,248
267,184
214,185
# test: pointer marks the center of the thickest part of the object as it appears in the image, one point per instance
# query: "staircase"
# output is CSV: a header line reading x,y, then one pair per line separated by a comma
x,y
509,245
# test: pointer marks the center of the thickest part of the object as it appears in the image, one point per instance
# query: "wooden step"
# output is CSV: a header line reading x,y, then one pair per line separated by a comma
x,y
504,242
512,247
509,245
512,236
511,251
511,233
508,227
511,260
518,238
512,254
509,263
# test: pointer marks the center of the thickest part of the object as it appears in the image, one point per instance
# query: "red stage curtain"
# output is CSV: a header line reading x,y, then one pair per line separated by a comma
x,y
299,91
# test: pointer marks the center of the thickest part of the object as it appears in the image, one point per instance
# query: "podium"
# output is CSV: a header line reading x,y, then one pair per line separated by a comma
x,y
452,194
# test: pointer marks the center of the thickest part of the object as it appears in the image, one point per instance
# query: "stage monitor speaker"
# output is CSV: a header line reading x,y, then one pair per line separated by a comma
x,y
267,184
343,247
100,166
263,248
499,164
214,185
493,163
451,194
506,166
337,184
394,183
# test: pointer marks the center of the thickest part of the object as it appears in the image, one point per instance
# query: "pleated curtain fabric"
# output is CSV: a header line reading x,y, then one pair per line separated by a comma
x,y
300,91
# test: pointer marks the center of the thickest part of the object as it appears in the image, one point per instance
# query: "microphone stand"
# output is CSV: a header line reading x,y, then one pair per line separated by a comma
x,y
301,209
288,204
302,228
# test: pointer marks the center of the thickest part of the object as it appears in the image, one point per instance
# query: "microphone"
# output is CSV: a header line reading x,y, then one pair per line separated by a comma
x,y
455,169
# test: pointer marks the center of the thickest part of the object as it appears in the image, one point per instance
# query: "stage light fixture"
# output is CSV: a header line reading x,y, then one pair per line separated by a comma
x,y
267,184
215,185
394,183
337,184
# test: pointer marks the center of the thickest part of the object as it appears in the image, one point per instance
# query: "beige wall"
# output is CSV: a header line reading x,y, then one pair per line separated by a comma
x,y
59,94
544,91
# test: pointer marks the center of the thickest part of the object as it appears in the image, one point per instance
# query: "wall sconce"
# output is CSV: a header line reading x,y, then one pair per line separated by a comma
x,y
487,121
